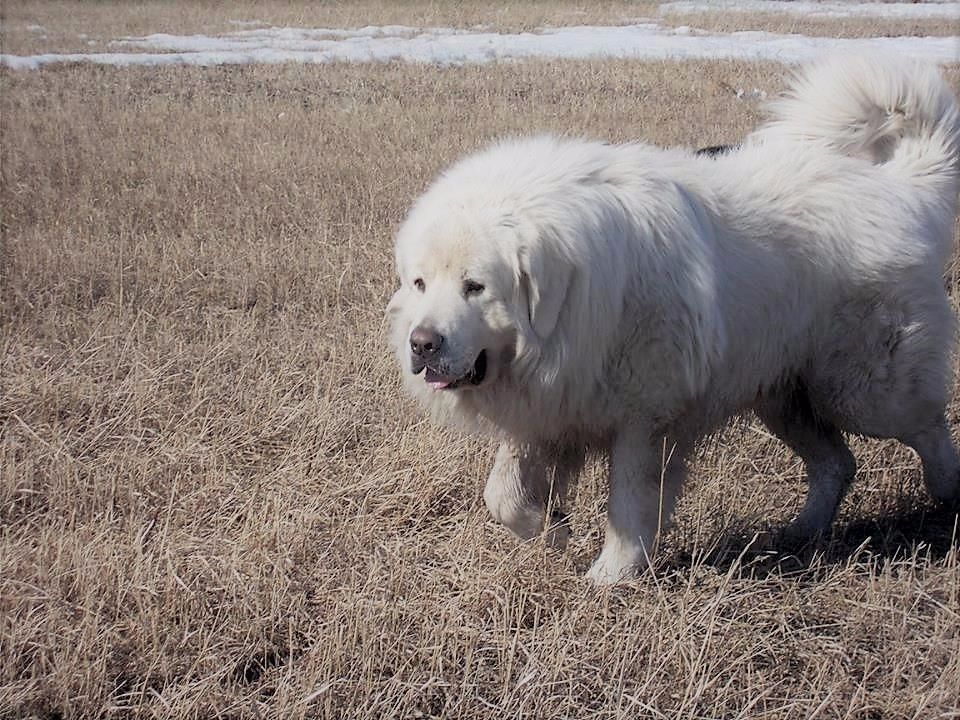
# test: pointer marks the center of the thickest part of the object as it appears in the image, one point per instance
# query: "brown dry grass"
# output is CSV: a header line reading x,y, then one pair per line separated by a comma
x,y
68,26
214,501
62,21
774,22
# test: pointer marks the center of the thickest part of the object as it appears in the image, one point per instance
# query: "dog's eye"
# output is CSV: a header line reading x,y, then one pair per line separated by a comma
x,y
472,287
419,284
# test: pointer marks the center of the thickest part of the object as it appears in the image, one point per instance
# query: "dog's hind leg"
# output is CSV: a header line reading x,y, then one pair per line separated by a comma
x,y
829,464
941,466
894,383
527,481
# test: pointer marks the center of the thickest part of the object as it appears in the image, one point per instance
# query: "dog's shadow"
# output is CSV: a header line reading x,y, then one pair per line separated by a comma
x,y
928,533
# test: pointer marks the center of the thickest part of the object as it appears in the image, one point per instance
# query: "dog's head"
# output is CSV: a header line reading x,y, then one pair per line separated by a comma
x,y
479,294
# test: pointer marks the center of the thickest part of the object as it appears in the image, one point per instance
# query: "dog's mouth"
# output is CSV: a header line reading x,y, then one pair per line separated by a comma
x,y
443,381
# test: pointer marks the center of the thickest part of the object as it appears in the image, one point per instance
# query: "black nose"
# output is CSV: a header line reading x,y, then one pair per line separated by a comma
x,y
425,342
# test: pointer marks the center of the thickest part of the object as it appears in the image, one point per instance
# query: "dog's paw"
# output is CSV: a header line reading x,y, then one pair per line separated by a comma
x,y
525,520
611,568
803,532
948,494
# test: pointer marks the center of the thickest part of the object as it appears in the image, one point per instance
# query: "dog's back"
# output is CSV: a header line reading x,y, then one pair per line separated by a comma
x,y
896,112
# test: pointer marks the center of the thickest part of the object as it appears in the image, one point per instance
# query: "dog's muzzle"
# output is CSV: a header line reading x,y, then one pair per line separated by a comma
x,y
440,378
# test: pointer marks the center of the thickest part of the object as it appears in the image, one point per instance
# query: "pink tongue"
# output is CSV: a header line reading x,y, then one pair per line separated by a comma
x,y
436,380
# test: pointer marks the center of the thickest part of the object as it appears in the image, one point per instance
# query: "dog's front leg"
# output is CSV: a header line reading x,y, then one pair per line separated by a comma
x,y
645,480
526,481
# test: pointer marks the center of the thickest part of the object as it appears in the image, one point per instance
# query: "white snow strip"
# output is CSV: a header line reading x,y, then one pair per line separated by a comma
x,y
300,39
443,46
900,11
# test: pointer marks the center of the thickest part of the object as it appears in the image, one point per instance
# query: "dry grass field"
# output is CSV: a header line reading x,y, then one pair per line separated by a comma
x,y
215,502
29,26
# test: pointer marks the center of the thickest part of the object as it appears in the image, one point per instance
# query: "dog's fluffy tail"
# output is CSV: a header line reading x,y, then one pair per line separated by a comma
x,y
878,108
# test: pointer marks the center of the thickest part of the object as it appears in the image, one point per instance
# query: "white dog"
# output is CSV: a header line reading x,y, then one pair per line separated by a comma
x,y
564,293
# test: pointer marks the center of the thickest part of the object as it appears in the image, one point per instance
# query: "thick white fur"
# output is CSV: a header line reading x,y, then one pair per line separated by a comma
x,y
636,298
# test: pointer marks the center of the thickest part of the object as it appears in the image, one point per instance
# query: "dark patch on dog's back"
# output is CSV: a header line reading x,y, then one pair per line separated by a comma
x,y
715,150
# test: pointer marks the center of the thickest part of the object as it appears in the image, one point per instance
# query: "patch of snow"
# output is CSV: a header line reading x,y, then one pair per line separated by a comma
x,y
445,46
755,94
896,10
294,39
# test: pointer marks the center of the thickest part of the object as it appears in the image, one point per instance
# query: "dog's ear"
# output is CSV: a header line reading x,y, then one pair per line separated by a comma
x,y
544,277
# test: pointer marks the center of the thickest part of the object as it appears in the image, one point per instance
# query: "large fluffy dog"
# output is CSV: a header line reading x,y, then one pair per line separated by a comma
x,y
564,293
